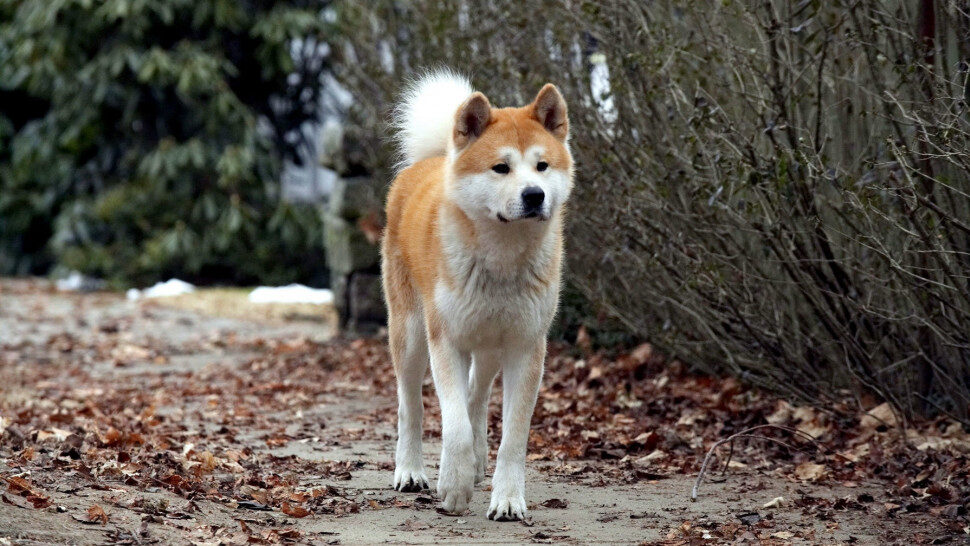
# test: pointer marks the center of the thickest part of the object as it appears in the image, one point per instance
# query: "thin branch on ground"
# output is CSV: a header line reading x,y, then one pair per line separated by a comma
x,y
746,433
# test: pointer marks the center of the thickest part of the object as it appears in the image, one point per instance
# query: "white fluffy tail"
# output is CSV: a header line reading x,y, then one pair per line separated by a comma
x,y
425,117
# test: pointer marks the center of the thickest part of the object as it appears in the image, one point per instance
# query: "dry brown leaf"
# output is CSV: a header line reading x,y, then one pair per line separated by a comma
x,y
555,503
294,510
18,485
57,434
111,438
39,501
814,429
810,471
96,513
642,353
881,415
781,415
15,501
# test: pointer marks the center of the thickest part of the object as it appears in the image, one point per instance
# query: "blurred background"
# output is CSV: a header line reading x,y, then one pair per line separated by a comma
x,y
778,190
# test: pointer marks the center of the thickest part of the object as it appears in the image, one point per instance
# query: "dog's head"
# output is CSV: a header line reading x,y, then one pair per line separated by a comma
x,y
511,164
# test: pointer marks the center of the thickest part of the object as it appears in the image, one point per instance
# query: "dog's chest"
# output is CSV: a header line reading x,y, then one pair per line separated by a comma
x,y
482,310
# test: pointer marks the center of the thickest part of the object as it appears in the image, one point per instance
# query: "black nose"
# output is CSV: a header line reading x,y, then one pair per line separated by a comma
x,y
532,197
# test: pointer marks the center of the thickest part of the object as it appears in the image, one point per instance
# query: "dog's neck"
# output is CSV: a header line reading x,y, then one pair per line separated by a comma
x,y
504,250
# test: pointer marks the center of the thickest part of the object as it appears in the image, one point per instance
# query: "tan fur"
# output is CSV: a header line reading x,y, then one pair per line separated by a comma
x,y
417,194
487,270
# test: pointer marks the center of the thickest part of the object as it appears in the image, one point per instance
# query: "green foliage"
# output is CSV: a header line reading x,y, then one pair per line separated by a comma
x,y
144,138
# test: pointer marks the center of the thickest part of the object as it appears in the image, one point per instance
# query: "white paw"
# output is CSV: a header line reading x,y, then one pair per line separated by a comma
x,y
456,480
508,493
506,507
410,478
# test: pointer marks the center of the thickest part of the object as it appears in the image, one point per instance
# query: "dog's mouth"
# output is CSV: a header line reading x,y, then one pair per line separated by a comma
x,y
531,214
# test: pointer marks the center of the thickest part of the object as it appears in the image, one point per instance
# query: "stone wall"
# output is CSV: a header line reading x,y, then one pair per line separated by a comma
x,y
353,219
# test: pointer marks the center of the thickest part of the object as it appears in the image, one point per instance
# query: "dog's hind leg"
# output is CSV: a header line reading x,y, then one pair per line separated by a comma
x,y
409,350
481,377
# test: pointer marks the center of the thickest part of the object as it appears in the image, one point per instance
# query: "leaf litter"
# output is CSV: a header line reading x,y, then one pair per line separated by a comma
x,y
602,419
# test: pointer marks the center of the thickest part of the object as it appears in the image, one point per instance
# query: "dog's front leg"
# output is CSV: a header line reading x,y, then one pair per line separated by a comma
x,y
520,386
456,474
484,368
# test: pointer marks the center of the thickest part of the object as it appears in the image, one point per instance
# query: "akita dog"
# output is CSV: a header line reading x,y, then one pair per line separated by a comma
x,y
471,263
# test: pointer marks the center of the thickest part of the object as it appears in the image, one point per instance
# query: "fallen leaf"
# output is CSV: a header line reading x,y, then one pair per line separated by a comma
x,y
16,501
39,501
95,515
749,518
810,472
781,415
18,485
57,434
655,455
250,505
814,429
555,503
295,511
412,524
881,415
642,353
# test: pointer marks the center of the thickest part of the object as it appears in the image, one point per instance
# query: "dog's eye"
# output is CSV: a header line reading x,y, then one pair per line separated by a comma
x,y
501,168
541,166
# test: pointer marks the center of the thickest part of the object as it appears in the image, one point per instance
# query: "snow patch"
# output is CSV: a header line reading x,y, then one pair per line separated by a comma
x,y
171,287
293,293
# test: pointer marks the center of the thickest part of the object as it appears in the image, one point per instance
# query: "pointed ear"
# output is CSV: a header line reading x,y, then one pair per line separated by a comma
x,y
549,109
471,119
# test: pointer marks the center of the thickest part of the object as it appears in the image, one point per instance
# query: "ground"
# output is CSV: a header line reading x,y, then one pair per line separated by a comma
x,y
146,422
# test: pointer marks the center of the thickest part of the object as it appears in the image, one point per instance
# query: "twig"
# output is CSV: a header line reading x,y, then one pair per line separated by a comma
x,y
727,461
746,433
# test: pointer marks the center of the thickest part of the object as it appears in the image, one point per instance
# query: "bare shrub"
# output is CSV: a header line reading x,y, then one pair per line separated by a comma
x,y
776,189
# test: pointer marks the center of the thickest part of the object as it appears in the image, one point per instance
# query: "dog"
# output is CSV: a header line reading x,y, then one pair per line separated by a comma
x,y
471,262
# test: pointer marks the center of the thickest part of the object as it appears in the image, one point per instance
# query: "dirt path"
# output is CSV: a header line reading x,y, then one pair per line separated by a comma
x,y
183,428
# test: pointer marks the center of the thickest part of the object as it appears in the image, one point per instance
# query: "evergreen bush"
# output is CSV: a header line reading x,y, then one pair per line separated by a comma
x,y
144,138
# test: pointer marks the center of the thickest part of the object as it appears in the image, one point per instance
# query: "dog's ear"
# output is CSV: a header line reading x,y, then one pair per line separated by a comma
x,y
549,109
471,119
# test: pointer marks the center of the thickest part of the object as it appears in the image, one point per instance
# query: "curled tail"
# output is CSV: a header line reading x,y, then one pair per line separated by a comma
x,y
425,118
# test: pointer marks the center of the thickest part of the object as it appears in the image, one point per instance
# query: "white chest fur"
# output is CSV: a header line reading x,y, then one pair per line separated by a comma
x,y
504,291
